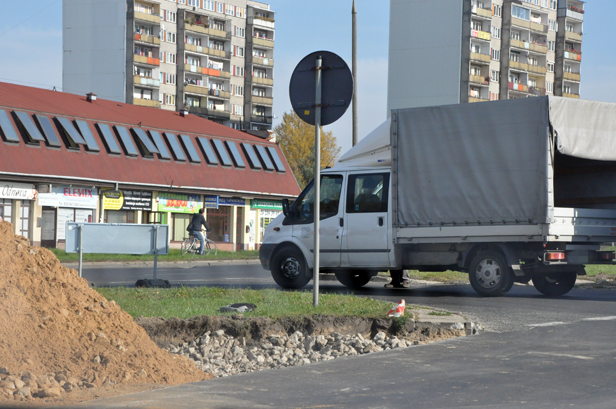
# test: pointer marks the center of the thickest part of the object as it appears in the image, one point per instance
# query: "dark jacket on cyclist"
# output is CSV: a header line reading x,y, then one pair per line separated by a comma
x,y
197,221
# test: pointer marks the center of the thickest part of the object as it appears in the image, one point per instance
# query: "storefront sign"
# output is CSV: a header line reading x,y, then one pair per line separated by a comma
x,y
67,196
231,201
177,203
266,204
17,191
211,202
127,200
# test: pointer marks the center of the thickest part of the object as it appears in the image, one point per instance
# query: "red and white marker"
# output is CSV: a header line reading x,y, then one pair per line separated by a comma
x,y
398,311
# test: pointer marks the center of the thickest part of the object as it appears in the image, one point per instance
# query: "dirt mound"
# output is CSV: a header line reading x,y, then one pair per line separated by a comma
x,y
59,335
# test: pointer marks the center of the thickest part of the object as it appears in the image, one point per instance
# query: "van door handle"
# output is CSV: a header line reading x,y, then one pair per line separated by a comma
x,y
341,222
380,221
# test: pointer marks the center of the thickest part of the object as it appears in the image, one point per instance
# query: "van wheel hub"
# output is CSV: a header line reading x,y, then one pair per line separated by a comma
x,y
488,273
291,267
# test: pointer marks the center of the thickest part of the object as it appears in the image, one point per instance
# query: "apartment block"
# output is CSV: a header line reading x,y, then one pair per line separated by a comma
x,y
216,58
456,51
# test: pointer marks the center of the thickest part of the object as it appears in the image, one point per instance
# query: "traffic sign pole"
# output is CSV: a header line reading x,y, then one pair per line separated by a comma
x,y
317,182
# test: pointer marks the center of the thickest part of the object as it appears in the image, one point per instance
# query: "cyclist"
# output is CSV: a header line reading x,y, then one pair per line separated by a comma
x,y
194,228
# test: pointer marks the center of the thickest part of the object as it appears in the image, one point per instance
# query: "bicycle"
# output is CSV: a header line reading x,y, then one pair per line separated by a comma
x,y
192,244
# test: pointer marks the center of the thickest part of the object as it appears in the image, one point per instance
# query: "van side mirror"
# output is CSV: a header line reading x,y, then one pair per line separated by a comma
x,y
285,207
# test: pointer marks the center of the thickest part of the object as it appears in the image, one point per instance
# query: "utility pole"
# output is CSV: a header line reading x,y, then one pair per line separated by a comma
x,y
354,41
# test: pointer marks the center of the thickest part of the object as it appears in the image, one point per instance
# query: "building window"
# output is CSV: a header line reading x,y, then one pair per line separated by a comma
x,y
496,32
551,45
498,10
553,25
240,12
259,53
493,96
259,73
239,31
549,86
566,89
238,109
553,4
193,101
476,25
229,10
550,66
494,75
194,61
220,7
194,3
5,210
169,16
515,57
520,12
209,4
238,71
495,54
238,90
219,221
238,51
170,37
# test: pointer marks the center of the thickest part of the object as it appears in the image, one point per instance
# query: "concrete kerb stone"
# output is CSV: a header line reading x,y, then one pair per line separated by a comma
x,y
161,264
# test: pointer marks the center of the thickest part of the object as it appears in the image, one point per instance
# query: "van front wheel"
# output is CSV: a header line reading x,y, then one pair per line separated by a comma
x,y
289,268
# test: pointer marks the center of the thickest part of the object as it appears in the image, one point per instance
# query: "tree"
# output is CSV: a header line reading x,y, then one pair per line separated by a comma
x,y
296,139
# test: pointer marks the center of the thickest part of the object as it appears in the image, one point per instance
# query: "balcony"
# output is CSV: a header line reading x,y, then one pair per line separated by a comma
x,y
478,80
144,38
263,61
221,114
576,14
529,25
483,35
518,65
540,92
518,87
481,12
480,57
262,81
476,99
146,60
219,93
207,71
205,50
202,29
263,42
574,96
261,21
537,69
572,55
196,89
571,76
262,100
150,18
570,35
262,119
149,82
146,103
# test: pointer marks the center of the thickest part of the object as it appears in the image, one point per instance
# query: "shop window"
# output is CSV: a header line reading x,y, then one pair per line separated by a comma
x,y
119,216
219,221
5,210
24,219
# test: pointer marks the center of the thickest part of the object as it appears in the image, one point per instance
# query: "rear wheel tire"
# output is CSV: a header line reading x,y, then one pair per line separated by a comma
x,y
555,285
489,274
353,279
289,268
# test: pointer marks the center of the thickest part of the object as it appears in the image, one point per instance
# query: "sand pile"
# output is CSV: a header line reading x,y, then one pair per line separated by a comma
x,y
57,335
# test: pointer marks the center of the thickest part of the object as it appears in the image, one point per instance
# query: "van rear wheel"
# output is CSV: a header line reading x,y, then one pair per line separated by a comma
x,y
555,285
289,268
354,279
489,274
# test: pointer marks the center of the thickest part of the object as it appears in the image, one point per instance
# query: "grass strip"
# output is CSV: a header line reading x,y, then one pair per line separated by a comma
x,y
174,255
186,302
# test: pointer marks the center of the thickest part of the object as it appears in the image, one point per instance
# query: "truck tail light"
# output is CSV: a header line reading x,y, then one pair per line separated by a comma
x,y
607,256
555,256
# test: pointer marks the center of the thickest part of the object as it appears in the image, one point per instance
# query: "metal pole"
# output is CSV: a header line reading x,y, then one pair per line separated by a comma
x,y
317,182
80,248
155,250
354,47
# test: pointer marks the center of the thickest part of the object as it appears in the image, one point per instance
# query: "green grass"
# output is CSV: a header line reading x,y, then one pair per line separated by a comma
x,y
174,255
593,270
186,302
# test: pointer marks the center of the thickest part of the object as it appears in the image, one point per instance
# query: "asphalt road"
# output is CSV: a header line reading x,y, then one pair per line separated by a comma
x,y
536,352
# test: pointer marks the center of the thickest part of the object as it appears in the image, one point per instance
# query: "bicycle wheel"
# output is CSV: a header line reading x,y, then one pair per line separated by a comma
x,y
210,246
187,246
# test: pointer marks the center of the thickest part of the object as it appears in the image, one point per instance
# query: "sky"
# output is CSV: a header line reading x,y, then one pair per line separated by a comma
x,y
31,50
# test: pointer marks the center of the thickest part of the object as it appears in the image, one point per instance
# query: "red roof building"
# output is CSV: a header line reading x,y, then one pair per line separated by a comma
x,y
56,144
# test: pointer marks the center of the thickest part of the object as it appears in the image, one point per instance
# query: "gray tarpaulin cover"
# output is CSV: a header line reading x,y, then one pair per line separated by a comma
x,y
585,129
472,163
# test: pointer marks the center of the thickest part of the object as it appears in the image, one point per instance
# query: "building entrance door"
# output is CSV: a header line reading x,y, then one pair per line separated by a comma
x,y
48,229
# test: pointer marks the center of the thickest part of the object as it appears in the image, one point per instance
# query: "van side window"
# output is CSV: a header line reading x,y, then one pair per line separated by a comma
x,y
331,188
368,193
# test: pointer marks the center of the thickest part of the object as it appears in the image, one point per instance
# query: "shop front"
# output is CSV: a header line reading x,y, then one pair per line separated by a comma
x,y
177,212
225,217
268,210
16,201
126,206
65,204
